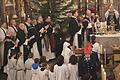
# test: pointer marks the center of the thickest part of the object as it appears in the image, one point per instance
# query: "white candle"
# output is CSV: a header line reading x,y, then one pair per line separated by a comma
x,y
96,5
7,19
105,55
101,49
28,15
24,15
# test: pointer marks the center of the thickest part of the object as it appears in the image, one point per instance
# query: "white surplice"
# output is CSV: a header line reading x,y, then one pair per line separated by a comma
x,y
48,54
28,66
12,69
51,75
43,75
20,69
66,53
35,74
35,51
96,48
61,72
73,71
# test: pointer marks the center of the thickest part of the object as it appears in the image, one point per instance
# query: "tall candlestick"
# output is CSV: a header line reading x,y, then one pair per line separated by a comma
x,y
102,70
104,75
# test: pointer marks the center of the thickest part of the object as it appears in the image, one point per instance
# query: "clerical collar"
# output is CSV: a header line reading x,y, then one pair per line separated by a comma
x,y
8,36
110,10
67,41
74,17
28,24
87,58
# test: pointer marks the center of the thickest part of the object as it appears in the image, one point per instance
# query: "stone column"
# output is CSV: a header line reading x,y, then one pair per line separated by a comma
x,y
3,13
17,7
27,7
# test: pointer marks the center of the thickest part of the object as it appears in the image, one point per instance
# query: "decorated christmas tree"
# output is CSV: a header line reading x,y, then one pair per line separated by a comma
x,y
57,9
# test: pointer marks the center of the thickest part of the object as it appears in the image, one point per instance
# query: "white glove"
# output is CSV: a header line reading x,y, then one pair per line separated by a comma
x,y
42,30
26,42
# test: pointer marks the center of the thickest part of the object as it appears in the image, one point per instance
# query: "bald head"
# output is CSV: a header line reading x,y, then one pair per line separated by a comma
x,y
88,13
10,32
13,22
22,26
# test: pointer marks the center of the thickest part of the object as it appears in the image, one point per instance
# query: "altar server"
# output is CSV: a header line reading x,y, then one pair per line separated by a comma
x,y
28,67
61,69
43,74
66,53
12,66
95,46
51,72
35,70
20,67
73,68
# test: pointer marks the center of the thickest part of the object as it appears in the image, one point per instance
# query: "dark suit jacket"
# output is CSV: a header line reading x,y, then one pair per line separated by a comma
x,y
90,66
73,26
21,36
9,43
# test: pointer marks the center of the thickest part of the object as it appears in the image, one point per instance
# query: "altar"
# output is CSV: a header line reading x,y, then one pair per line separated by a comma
x,y
107,40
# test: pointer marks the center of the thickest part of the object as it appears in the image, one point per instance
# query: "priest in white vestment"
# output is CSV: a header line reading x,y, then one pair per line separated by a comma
x,y
3,30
